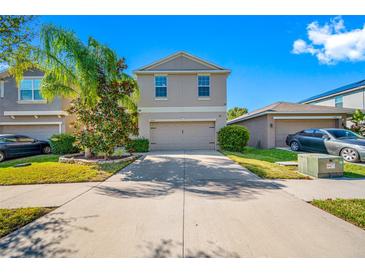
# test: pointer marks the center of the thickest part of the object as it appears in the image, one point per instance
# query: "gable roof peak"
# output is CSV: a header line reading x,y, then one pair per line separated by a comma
x,y
185,54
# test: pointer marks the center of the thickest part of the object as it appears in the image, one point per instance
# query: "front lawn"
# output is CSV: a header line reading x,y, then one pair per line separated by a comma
x,y
351,210
354,171
262,162
46,169
12,219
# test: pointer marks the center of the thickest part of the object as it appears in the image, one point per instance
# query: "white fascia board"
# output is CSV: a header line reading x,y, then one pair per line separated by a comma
x,y
181,71
181,109
33,113
236,120
305,117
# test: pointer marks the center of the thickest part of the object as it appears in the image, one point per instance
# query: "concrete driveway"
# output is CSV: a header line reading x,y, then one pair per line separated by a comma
x,y
186,204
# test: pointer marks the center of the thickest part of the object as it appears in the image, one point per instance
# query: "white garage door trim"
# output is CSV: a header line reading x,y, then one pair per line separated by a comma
x,y
305,117
32,124
169,121
296,125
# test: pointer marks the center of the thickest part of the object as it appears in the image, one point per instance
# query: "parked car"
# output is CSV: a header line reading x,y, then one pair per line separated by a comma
x,y
334,141
12,146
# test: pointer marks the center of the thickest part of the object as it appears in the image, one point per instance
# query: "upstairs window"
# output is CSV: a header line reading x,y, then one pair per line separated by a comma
x,y
339,102
160,86
30,90
203,85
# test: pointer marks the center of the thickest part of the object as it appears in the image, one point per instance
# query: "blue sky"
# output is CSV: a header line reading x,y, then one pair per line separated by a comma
x,y
258,50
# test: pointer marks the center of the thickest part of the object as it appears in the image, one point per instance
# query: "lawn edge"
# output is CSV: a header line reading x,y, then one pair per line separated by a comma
x,y
51,209
77,182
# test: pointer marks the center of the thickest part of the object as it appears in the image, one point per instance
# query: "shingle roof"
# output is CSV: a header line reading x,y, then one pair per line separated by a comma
x,y
291,108
335,91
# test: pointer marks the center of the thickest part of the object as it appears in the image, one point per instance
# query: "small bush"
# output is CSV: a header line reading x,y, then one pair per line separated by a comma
x,y
138,145
63,144
233,138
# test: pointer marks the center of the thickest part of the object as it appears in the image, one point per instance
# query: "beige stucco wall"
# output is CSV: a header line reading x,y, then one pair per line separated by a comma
x,y
354,100
182,102
182,90
258,128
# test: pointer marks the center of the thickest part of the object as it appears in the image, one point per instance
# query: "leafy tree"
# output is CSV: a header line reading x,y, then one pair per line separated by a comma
x,y
104,97
358,120
235,112
16,35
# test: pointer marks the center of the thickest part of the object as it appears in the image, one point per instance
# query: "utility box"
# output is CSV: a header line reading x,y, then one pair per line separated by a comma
x,y
320,165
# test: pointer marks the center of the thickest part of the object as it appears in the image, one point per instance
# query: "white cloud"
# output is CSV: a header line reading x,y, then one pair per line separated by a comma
x,y
332,42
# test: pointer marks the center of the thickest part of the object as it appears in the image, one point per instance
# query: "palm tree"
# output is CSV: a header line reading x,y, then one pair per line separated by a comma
x,y
76,70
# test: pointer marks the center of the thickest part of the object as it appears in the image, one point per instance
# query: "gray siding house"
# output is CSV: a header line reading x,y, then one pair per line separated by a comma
x,y
348,96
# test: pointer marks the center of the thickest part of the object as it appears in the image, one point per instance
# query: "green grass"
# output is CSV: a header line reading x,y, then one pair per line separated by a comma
x,y
354,171
351,210
12,219
31,159
262,162
46,170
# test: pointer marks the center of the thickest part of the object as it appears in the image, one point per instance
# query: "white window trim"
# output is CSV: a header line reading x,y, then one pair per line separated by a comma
x,y
2,89
203,98
340,97
167,87
30,101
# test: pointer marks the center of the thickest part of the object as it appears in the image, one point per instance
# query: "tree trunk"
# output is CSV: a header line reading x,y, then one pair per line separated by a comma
x,y
88,153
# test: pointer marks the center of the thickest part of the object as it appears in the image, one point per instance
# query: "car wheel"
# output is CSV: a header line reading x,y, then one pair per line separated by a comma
x,y
2,156
46,150
350,155
294,146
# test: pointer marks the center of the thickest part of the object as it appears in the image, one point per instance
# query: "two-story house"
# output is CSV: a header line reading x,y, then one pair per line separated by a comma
x,y
182,105
24,111
183,102
348,96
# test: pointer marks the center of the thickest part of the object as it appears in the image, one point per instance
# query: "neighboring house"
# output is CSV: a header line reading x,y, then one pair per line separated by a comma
x,y
349,96
183,102
269,126
24,111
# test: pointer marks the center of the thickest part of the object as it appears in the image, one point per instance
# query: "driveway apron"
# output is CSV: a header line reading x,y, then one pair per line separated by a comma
x,y
186,204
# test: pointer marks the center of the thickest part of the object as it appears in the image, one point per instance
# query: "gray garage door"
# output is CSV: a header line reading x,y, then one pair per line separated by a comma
x,y
285,127
41,132
182,135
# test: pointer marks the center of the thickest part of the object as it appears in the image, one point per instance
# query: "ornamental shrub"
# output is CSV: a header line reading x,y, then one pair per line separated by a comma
x,y
63,143
138,145
233,138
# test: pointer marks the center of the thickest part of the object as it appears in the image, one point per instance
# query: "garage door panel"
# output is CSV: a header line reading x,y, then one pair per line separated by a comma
x,y
285,127
41,132
182,135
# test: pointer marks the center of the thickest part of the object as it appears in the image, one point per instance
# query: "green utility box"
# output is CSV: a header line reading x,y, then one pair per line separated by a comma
x,y
320,165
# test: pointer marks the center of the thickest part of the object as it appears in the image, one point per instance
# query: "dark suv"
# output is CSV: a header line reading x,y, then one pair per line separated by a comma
x,y
12,146
334,141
